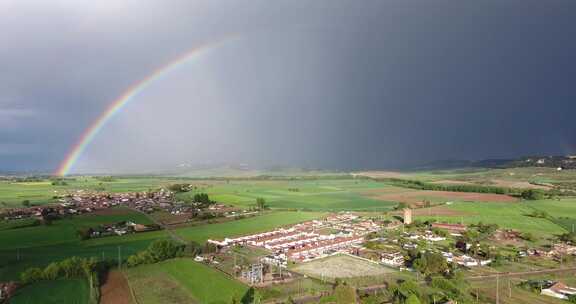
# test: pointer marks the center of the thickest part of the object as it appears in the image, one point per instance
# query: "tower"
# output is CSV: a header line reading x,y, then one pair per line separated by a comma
x,y
407,216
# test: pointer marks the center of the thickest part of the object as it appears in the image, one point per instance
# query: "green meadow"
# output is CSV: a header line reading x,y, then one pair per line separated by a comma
x,y
54,292
506,215
313,195
249,225
183,281
39,245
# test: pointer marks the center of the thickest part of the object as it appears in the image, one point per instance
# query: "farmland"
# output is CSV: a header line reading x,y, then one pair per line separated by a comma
x,y
183,281
39,245
512,216
29,243
54,292
245,226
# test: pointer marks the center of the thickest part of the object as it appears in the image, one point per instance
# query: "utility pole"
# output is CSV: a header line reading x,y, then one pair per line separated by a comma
x,y
509,288
18,254
119,258
497,288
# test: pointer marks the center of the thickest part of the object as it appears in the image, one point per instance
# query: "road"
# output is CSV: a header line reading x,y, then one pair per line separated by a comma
x,y
519,274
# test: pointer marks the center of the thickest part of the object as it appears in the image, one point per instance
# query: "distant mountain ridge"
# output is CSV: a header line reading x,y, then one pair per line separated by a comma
x,y
561,162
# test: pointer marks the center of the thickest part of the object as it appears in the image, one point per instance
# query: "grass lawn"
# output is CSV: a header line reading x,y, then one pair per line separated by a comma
x,y
54,292
183,281
264,222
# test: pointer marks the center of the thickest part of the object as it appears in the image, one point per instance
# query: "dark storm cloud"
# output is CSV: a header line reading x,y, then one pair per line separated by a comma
x,y
339,84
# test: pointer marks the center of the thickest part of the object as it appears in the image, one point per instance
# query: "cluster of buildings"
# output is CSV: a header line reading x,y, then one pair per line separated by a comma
x,y
120,228
557,251
7,290
308,240
81,201
558,290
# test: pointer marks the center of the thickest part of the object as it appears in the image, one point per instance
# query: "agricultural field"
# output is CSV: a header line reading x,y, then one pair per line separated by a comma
x,y
525,178
506,215
250,225
313,195
54,292
183,281
39,245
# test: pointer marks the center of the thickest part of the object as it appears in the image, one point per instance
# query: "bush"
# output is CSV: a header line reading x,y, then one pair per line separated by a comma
x,y
157,251
51,272
31,275
532,194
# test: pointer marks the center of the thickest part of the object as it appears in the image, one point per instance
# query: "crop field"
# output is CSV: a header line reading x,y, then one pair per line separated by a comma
x,y
39,245
530,177
412,196
54,292
512,216
341,266
313,195
183,281
240,227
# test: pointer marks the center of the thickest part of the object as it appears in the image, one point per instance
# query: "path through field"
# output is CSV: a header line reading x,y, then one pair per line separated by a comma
x,y
116,289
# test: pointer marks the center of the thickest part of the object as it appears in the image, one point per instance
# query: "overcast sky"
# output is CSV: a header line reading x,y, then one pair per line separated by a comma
x,y
325,84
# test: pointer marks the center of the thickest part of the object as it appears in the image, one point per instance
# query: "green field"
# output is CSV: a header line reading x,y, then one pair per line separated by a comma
x,y
54,292
316,195
183,281
39,245
246,226
506,215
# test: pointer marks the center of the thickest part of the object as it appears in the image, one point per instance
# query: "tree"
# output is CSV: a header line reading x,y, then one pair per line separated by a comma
x,y
161,250
31,275
84,233
404,290
51,272
203,199
260,203
429,263
26,203
532,194
344,293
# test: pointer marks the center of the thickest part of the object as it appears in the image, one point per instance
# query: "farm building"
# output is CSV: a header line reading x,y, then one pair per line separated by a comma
x,y
559,290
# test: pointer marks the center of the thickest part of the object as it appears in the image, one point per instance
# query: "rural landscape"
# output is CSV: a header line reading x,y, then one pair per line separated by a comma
x,y
470,235
287,152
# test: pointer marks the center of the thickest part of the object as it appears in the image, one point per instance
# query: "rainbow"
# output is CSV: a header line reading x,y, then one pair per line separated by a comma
x,y
129,95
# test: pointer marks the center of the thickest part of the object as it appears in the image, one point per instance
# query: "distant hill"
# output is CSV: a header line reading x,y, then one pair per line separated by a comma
x,y
564,162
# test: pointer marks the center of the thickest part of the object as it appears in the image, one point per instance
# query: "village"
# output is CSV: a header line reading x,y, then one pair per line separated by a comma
x,y
389,243
85,202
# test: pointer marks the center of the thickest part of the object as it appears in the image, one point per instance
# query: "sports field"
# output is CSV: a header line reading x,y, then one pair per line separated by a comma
x,y
341,266
183,281
54,292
